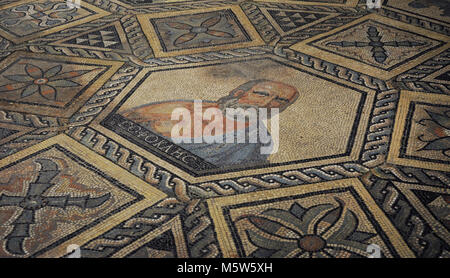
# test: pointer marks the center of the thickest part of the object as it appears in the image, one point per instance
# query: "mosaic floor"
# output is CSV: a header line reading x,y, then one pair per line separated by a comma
x,y
364,146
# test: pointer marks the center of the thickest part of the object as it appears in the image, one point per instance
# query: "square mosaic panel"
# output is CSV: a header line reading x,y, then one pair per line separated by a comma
x,y
331,219
24,20
422,131
435,9
376,46
51,85
60,197
204,30
111,37
289,21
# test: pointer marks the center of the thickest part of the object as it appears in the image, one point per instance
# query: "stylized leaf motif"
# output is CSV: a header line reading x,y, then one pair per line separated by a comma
x,y
297,210
271,242
286,219
273,227
312,216
53,71
184,38
47,92
328,220
219,34
69,75
442,120
321,231
179,26
210,22
19,78
12,87
33,71
31,89
438,144
343,227
63,83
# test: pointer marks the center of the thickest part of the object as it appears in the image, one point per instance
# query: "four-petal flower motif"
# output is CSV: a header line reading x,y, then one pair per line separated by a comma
x,y
194,31
322,231
45,83
439,128
41,14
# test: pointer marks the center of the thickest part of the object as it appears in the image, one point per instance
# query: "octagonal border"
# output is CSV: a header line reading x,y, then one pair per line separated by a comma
x,y
352,154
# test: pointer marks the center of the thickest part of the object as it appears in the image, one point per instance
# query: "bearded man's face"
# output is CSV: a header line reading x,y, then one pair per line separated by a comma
x,y
265,94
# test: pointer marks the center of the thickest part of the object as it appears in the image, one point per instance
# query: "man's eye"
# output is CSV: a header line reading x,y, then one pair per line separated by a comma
x,y
280,99
261,93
